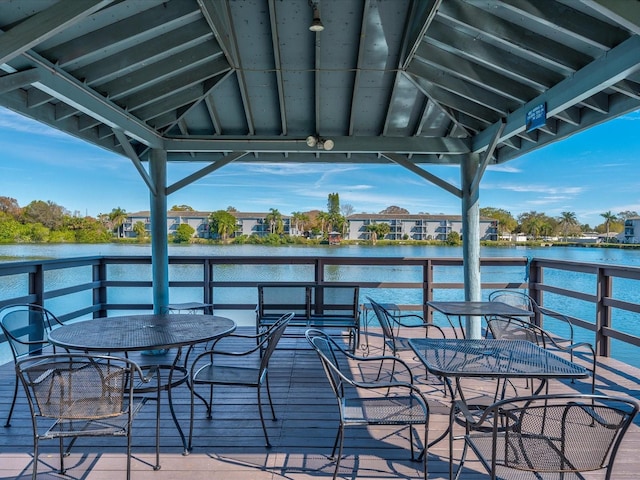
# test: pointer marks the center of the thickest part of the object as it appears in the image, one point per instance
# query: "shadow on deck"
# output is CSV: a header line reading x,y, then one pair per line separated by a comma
x,y
231,446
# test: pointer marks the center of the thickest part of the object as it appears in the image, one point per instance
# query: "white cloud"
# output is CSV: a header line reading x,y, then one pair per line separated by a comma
x,y
504,167
12,121
546,189
635,116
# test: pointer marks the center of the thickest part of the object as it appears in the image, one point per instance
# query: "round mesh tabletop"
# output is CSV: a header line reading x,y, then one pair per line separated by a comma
x,y
141,332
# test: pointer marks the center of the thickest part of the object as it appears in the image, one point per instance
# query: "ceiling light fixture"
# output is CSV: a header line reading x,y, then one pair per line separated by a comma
x,y
327,144
316,25
312,141
320,143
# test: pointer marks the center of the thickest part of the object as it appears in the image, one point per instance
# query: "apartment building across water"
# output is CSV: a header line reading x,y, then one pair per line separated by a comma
x,y
401,226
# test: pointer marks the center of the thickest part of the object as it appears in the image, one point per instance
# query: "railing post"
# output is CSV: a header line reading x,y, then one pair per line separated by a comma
x,y
535,274
100,293
207,294
318,274
604,289
36,285
427,293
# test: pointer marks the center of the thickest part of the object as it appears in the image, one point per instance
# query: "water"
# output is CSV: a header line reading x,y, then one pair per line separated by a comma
x,y
624,321
612,256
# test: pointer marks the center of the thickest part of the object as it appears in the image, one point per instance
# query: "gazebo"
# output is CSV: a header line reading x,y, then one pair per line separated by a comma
x,y
407,82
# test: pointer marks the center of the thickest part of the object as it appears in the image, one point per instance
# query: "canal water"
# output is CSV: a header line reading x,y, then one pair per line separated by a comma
x,y
625,321
612,256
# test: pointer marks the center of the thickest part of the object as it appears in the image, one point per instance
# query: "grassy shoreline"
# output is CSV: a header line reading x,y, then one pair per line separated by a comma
x,y
276,241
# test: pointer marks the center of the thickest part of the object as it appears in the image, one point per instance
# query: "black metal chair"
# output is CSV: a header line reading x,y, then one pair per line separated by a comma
x,y
389,321
206,370
26,329
390,325
563,328
509,328
550,436
83,395
369,401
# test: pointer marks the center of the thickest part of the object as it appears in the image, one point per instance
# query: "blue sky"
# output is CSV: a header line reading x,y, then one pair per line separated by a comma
x,y
588,174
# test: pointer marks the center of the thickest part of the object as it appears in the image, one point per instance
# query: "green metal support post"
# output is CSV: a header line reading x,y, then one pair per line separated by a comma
x,y
159,236
471,241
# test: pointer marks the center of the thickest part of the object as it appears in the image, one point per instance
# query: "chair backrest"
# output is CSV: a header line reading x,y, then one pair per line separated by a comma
x,y
561,433
276,299
272,337
514,298
77,386
26,328
335,300
326,348
385,320
511,328
549,320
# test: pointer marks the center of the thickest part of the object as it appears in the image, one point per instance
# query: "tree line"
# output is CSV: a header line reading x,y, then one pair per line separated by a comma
x,y
566,225
47,222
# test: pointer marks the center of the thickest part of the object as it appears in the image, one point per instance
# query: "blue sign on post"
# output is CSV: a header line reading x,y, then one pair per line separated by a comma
x,y
536,117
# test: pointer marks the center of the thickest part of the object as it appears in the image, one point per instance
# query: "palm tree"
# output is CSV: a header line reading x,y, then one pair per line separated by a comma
x,y
274,219
223,223
323,218
140,230
118,216
299,219
535,225
372,228
566,221
378,230
608,218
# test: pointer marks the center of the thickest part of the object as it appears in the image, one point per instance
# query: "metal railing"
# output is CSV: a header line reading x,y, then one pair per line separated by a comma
x,y
598,298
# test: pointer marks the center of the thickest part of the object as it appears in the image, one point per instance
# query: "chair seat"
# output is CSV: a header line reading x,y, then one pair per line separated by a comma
x,y
103,425
227,374
396,410
521,451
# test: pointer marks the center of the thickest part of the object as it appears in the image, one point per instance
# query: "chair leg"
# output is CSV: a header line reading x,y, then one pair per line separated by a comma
x,y
13,404
62,455
129,452
191,413
264,427
411,443
384,351
335,443
339,456
210,404
158,393
273,412
425,453
34,473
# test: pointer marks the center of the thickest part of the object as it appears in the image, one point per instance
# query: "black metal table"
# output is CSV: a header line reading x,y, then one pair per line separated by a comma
x,y
488,358
476,309
146,333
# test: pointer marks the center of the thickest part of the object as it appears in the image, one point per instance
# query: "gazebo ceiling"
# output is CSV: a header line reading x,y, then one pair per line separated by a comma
x,y
405,81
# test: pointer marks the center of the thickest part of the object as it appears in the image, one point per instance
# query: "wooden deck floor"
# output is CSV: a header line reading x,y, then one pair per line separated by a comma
x,y
232,445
